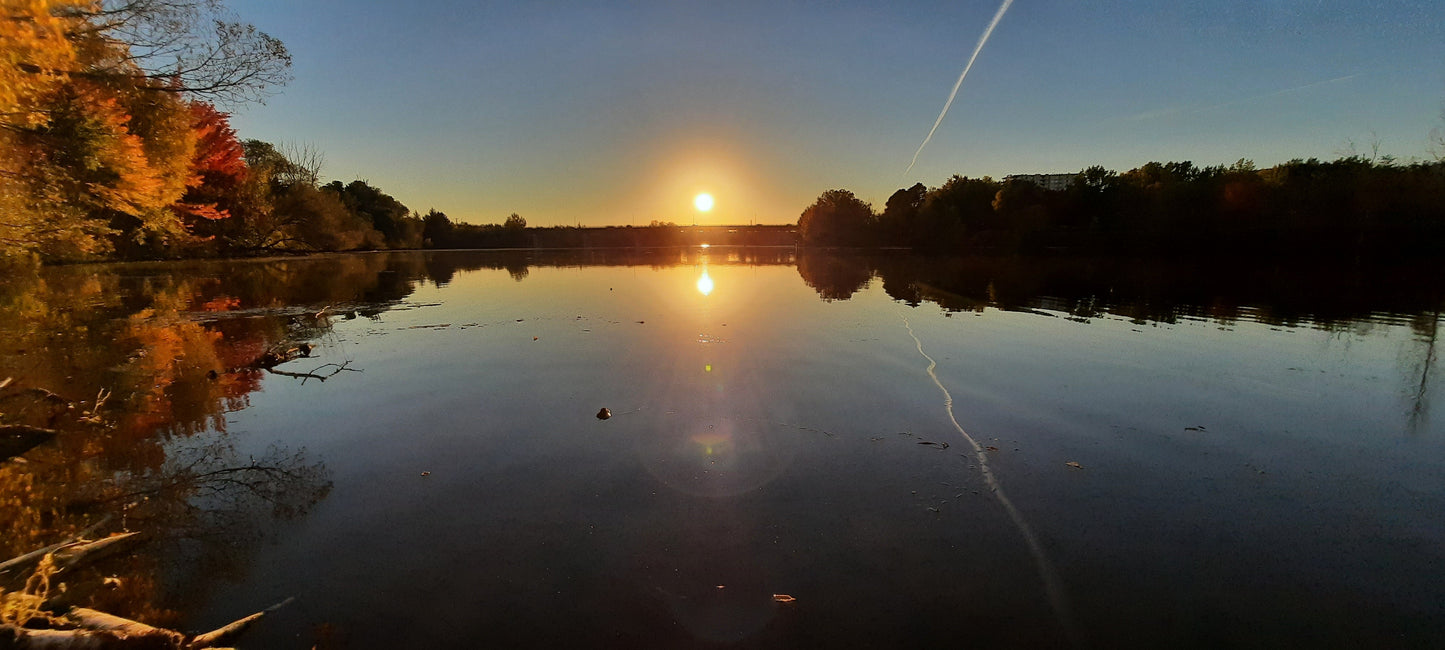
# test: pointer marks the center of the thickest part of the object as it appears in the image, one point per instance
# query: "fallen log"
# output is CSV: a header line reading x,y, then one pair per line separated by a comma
x,y
90,619
98,630
34,556
26,612
20,638
80,553
232,630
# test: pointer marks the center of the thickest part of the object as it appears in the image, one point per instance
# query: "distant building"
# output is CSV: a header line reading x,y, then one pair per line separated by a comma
x,y
1053,182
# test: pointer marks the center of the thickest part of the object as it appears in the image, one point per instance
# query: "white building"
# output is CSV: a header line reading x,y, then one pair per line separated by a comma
x,y
1054,182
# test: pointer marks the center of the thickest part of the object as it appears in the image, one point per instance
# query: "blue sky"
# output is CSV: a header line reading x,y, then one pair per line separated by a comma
x,y
618,113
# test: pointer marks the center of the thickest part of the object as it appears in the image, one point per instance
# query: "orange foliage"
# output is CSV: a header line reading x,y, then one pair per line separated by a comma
x,y
219,157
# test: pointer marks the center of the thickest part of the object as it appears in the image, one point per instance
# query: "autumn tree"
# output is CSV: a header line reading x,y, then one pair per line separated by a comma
x,y
219,168
97,136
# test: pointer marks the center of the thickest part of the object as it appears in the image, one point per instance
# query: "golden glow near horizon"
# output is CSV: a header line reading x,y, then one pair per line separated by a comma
x,y
703,202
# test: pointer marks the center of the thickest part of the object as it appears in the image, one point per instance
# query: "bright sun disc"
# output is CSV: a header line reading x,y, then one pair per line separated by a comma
x,y
703,202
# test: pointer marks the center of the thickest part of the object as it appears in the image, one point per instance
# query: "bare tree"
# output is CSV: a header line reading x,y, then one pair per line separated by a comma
x,y
188,46
1437,138
306,162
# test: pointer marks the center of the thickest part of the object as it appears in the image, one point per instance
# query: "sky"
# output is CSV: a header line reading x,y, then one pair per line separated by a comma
x,y
620,113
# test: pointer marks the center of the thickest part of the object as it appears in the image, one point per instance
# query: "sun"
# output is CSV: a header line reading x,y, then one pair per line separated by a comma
x,y
703,202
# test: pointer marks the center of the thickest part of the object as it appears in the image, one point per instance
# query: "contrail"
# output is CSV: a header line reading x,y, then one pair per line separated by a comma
x,y
978,48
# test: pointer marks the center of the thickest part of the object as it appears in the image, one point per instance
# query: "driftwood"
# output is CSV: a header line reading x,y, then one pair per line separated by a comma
x,y
81,628
279,355
101,631
315,373
39,619
234,629
90,619
24,561
80,553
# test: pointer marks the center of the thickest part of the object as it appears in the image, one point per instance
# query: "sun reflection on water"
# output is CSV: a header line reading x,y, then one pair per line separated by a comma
x,y
704,283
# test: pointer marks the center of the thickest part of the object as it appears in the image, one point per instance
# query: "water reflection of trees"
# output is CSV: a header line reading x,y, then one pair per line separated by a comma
x,y
442,266
1139,290
833,277
134,368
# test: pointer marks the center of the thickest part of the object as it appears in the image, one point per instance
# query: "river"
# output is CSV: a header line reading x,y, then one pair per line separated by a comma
x,y
804,449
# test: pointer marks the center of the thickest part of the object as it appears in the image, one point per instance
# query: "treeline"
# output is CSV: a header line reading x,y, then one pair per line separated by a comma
x,y
111,144
441,232
1351,206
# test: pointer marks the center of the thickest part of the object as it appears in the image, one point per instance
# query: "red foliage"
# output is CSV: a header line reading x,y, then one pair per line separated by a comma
x,y
219,158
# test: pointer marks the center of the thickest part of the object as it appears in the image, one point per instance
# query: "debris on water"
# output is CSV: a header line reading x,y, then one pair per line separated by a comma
x,y
1198,428
783,598
940,445
426,473
604,414
16,439
1074,465
991,448
534,338
641,322
932,509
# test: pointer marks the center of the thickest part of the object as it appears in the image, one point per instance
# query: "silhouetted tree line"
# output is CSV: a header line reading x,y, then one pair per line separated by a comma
x,y
442,233
1353,206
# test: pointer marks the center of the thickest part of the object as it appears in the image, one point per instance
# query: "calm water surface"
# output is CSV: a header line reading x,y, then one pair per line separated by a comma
x,y
991,453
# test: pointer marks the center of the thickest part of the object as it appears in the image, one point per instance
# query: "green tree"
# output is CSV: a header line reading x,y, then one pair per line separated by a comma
x,y
437,230
837,218
379,209
900,213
